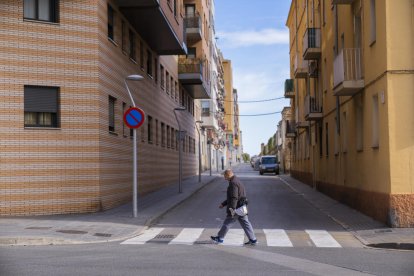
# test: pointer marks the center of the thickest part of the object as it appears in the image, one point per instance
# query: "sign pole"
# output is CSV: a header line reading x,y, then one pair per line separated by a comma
x,y
135,180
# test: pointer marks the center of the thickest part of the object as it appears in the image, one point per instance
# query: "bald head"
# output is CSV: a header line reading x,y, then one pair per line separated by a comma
x,y
228,173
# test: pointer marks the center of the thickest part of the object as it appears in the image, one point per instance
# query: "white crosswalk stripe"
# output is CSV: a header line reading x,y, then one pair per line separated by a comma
x,y
187,236
322,238
236,237
277,237
148,234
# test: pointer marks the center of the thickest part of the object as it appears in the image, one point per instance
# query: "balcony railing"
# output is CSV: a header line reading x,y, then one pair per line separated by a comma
x,y
290,129
289,88
190,66
313,110
348,76
190,74
300,68
193,27
312,43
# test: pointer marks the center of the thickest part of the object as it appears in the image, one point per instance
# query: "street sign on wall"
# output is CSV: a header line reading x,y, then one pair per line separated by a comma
x,y
134,117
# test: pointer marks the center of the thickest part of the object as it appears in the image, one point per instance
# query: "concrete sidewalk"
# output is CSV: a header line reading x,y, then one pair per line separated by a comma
x,y
369,231
112,225
118,224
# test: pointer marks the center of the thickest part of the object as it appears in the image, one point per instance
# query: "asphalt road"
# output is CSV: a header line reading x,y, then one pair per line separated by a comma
x,y
273,207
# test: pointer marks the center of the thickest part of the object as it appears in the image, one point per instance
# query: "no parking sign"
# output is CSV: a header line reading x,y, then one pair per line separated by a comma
x,y
134,117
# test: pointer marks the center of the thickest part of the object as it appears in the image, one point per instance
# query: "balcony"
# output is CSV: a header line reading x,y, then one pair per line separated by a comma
x,y
313,110
312,44
348,79
193,27
190,75
344,2
300,68
302,124
149,19
289,88
290,129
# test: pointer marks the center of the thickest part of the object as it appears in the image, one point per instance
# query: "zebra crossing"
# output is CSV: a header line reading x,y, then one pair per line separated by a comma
x,y
236,237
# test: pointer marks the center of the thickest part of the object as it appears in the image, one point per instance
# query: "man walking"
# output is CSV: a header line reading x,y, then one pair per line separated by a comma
x,y
236,197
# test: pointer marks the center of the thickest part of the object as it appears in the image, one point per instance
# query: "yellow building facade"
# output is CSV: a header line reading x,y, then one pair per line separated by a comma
x,y
352,76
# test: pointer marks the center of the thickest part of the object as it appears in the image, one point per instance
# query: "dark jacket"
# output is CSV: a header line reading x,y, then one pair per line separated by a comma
x,y
235,192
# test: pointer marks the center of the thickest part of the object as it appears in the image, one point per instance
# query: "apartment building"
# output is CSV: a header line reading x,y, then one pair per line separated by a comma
x,y
286,134
351,95
64,146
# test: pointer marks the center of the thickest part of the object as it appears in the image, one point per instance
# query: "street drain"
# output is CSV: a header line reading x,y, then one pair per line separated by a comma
x,y
102,235
164,237
71,232
38,228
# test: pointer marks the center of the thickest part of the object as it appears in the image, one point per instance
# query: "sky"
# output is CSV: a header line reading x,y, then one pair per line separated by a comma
x,y
253,35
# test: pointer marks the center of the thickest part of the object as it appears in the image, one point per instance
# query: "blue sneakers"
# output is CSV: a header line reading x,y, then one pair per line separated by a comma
x,y
251,242
216,239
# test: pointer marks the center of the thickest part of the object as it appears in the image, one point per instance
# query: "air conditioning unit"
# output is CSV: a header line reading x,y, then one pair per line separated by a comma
x,y
313,68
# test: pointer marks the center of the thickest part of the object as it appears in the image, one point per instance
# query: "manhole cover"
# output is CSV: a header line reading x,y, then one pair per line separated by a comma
x,y
102,235
38,228
71,232
164,237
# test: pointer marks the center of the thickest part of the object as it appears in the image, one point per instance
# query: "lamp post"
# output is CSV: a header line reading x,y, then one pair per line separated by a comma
x,y
180,165
135,162
199,151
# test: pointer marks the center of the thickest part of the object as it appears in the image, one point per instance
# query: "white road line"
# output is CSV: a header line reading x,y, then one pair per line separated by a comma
x,y
234,237
277,237
187,236
146,236
322,238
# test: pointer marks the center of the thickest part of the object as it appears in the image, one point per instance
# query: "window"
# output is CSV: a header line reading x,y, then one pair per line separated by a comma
x,y
359,117
375,122
41,106
167,80
326,140
344,133
320,140
111,113
175,7
176,91
172,137
141,54
168,137
42,10
172,87
123,112
156,69
149,129
162,134
162,76
124,36
373,23
156,133
149,63
336,145
191,52
182,97
190,10
132,45
205,108
111,22
176,140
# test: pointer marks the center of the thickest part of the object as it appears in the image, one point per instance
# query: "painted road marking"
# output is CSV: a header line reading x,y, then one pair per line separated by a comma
x,y
322,238
277,237
187,236
234,237
148,234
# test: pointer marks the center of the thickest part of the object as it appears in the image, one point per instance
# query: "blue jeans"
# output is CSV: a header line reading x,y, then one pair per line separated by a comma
x,y
244,222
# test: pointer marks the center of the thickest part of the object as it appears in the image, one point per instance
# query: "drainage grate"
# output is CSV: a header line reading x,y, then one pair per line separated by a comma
x,y
38,228
383,231
71,232
102,235
164,237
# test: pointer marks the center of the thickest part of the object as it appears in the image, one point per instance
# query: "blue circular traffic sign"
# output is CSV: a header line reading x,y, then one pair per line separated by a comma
x,y
134,117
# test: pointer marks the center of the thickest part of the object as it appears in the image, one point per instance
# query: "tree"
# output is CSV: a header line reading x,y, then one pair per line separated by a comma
x,y
246,157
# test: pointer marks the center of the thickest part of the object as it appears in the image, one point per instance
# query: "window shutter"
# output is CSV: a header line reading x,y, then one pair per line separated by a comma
x,y
41,99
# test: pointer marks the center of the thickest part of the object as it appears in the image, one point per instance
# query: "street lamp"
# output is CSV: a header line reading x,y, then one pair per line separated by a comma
x,y
180,165
199,151
135,163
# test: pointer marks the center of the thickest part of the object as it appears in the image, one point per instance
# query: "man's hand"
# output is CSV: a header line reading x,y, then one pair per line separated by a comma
x,y
221,206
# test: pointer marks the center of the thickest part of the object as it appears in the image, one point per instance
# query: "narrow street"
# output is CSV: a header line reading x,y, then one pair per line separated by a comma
x,y
294,239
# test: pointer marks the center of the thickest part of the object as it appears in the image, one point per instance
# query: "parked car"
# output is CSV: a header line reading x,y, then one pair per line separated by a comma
x,y
253,160
268,163
256,166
